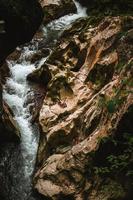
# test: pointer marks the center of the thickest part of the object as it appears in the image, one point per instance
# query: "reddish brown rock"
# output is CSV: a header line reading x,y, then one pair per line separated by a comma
x,y
89,91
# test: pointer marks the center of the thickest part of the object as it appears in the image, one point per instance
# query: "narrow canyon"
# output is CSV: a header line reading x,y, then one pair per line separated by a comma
x,y
66,100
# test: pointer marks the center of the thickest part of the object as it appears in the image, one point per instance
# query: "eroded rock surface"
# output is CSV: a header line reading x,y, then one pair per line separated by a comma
x,y
53,9
89,77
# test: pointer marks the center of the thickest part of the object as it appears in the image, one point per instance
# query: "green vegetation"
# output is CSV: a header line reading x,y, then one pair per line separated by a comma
x,y
111,104
117,162
114,157
112,162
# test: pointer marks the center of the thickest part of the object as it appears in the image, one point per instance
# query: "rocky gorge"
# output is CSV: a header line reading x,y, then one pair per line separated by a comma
x,y
78,92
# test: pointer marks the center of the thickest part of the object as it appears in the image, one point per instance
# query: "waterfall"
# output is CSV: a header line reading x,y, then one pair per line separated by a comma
x,y
59,25
66,20
16,93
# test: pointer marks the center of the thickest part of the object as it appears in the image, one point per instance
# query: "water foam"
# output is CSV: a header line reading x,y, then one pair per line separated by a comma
x,y
55,28
16,92
66,20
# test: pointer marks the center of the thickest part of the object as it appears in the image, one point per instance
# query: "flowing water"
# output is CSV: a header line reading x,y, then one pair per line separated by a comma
x,y
23,156
55,28
18,160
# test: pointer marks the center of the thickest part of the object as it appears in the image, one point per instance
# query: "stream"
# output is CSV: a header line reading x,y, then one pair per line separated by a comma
x,y
17,161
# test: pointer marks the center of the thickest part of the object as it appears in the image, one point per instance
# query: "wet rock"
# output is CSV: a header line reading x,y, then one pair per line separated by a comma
x,y
35,100
17,26
9,130
15,55
8,126
53,9
88,91
41,77
39,55
5,72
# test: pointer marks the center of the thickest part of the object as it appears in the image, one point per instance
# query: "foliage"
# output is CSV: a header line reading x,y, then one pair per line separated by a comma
x,y
118,161
113,104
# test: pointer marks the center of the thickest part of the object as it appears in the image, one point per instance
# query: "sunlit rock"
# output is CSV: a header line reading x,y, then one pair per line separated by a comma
x,y
88,92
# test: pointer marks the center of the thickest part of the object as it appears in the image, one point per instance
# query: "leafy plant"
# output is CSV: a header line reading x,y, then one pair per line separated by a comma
x,y
113,104
118,161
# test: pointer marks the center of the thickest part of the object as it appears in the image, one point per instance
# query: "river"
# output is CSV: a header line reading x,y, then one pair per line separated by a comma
x,y
17,161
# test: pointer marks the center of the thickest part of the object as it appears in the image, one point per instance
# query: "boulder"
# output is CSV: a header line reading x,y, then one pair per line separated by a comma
x,y
53,9
89,90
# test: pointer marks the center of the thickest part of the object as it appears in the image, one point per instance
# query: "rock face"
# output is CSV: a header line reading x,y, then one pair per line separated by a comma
x,y
8,127
89,77
19,20
53,9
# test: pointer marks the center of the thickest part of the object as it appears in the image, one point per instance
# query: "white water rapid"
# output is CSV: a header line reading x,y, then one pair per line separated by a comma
x,y
66,20
59,25
16,94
